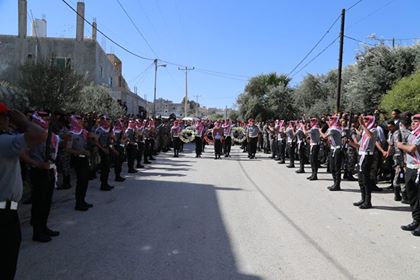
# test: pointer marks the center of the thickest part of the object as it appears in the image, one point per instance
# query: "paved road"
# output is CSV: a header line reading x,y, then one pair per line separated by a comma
x,y
187,218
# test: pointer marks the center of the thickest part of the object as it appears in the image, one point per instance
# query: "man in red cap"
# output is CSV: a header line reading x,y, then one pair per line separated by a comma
x,y
11,147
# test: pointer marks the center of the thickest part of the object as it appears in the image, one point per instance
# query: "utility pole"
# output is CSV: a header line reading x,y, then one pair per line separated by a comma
x,y
196,106
154,91
340,59
186,69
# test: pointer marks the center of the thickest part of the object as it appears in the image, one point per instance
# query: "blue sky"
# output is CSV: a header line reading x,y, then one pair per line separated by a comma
x,y
245,38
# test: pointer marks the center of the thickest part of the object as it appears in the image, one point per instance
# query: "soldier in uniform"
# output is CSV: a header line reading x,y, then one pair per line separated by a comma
x,y
42,176
314,143
118,140
131,146
333,134
291,143
147,134
366,147
105,148
11,185
64,156
301,146
281,142
175,133
199,132
272,137
227,133
78,148
252,131
412,174
350,153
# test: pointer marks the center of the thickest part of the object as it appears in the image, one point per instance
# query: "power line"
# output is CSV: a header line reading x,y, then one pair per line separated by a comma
x,y
205,71
372,13
136,27
144,71
314,47
359,41
318,55
354,5
106,36
215,74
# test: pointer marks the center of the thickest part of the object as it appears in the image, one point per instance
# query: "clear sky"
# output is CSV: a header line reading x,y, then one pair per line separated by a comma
x,y
241,37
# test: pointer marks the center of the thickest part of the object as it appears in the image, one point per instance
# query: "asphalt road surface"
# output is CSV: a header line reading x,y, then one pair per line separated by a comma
x,y
187,218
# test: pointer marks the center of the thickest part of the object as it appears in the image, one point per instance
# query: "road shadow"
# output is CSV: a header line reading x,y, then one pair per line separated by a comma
x,y
393,208
154,230
162,174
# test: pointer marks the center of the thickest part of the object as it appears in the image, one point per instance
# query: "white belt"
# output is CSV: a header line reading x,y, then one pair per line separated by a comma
x,y
314,144
81,156
365,153
13,205
413,166
335,148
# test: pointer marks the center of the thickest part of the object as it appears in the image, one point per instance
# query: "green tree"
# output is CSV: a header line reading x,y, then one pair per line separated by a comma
x,y
404,95
49,86
98,99
265,97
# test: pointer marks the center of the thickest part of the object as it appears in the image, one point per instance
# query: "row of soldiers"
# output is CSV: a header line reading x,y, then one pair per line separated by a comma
x,y
357,144
89,144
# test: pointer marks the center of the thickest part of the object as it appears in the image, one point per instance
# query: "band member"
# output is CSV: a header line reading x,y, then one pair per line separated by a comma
x,y
42,176
333,134
301,146
175,133
227,133
314,142
151,135
119,140
147,142
412,175
291,143
366,147
281,142
218,137
272,138
199,132
131,146
105,150
77,147
252,132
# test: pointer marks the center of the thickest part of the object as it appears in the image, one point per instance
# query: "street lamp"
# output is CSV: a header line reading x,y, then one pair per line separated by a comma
x,y
154,93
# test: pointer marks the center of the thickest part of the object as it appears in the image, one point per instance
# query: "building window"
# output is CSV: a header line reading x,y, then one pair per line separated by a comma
x,y
29,58
110,81
61,62
101,70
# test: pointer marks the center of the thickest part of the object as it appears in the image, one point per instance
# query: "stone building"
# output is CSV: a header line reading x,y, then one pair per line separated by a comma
x,y
84,55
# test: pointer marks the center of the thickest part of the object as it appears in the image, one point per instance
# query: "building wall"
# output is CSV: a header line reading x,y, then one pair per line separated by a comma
x,y
86,57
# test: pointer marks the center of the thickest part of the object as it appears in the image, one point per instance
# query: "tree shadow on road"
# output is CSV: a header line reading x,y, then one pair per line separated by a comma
x,y
152,230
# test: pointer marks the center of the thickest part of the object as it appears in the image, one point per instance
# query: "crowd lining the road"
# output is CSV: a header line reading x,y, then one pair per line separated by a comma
x,y
40,149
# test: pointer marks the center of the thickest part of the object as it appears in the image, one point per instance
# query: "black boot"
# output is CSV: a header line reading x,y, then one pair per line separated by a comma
x,y
351,178
411,226
404,198
397,195
300,171
367,204
40,236
119,178
362,192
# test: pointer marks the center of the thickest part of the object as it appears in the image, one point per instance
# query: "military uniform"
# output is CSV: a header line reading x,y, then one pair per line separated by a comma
x,y
335,156
131,147
314,144
105,144
291,146
11,146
